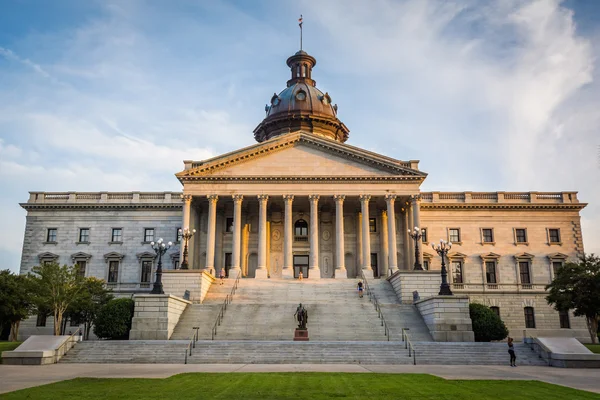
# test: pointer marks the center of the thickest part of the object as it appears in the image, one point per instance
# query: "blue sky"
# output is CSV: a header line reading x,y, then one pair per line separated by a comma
x,y
113,95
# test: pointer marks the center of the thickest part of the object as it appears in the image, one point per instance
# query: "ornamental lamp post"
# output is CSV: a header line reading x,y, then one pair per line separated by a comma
x,y
159,248
417,234
442,249
186,234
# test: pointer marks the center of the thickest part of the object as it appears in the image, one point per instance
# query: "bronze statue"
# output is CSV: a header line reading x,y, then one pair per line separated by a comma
x,y
302,316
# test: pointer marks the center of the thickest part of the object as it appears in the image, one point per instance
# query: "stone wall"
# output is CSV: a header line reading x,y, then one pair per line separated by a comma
x,y
447,318
155,316
196,282
427,283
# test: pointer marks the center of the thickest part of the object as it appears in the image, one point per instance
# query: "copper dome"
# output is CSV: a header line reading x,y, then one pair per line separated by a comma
x,y
301,106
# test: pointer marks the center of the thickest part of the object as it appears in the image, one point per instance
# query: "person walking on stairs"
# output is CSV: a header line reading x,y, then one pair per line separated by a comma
x,y
360,289
222,276
511,351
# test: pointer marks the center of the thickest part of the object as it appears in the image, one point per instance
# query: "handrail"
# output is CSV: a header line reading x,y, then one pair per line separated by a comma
x,y
192,343
412,352
373,299
69,340
228,300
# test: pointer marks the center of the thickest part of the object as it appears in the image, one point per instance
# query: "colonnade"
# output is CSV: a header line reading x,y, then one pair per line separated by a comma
x,y
363,233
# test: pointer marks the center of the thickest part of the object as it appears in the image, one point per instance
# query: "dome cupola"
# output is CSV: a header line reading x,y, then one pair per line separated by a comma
x,y
301,106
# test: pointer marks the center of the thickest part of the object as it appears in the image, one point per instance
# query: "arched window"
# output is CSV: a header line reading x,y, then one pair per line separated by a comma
x,y
301,230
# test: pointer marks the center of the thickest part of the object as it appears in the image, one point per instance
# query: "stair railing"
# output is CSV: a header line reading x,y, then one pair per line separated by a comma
x,y
192,344
409,346
373,299
66,345
227,301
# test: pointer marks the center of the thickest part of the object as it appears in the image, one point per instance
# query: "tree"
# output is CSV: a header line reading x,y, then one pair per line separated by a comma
x,y
487,325
114,319
576,286
15,301
89,302
56,288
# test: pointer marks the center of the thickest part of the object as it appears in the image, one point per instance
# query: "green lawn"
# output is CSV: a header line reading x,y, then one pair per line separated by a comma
x,y
594,347
297,386
7,346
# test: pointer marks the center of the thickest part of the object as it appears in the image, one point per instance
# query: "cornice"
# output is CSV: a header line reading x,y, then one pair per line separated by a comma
x,y
286,179
100,206
502,206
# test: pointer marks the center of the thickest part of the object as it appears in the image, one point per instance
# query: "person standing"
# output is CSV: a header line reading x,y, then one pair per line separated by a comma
x,y
222,275
360,289
511,351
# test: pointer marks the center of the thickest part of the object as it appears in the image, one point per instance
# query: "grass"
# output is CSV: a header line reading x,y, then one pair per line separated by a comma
x,y
299,385
8,346
595,348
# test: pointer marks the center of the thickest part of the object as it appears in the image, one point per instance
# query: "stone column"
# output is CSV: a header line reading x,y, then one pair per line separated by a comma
x,y
340,266
411,243
359,252
185,224
237,235
416,207
288,238
385,264
211,231
366,235
392,250
406,238
261,268
313,263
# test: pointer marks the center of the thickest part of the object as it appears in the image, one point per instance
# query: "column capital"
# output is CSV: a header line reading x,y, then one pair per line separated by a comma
x,y
415,198
390,197
212,198
384,213
313,197
365,197
237,197
263,197
339,197
187,198
288,197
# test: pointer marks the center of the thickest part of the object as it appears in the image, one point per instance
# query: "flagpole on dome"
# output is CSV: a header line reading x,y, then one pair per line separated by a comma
x,y
300,25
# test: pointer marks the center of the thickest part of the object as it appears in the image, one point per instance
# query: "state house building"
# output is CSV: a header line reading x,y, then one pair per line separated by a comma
x,y
303,200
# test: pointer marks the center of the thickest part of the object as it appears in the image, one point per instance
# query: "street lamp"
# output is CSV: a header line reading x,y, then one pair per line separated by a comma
x,y
416,235
159,248
186,234
442,249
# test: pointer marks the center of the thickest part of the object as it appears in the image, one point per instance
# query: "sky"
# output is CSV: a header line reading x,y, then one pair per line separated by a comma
x,y
113,95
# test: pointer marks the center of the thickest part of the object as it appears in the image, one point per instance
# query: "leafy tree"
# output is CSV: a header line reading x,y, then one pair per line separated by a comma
x,y
15,301
56,288
114,319
87,305
576,287
487,325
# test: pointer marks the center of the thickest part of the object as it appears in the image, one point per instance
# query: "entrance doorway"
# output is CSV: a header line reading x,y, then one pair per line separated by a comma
x,y
227,264
301,264
374,265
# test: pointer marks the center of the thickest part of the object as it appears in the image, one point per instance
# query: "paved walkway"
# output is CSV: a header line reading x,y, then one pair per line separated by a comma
x,y
21,377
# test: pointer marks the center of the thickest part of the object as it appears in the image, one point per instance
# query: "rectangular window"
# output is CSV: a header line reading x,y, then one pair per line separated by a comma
x,y
175,262
51,235
229,225
227,264
113,271
178,235
41,320
488,235
84,235
457,273
554,235
496,310
424,233
81,267
454,235
521,235
524,272
372,225
490,272
374,265
556,265
564,319
149,235
529,318
146,271
117,235
426,265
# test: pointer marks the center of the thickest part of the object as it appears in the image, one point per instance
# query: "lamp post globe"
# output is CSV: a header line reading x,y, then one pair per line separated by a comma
x,y
159,248
416,234
186,235
442,249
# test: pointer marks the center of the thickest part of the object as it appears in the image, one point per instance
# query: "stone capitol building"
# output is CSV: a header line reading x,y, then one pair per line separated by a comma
x,y
303,202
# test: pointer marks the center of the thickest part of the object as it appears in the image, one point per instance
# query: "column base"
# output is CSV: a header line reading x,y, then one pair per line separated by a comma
x,y
391,270
287,273
341,273
368,273
261,273
233,272
314,273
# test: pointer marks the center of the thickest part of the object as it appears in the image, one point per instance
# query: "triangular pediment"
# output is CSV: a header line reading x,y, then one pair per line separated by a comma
x,y
80,255
47,256
490,255
457,255
524,256
558,256
301,155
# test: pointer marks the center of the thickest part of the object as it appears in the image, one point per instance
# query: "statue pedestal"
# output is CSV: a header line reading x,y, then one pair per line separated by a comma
x,y
301,335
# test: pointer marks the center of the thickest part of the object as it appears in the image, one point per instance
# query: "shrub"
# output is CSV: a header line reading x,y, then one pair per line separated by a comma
x,y
114,319
487,325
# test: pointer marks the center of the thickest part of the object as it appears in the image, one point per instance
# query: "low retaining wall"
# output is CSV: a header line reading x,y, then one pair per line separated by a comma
x,y
197,282
40,350
427,283
447,318
565,352
155,316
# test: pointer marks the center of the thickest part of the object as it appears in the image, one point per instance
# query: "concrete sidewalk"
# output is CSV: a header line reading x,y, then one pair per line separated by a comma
x,y
15,377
